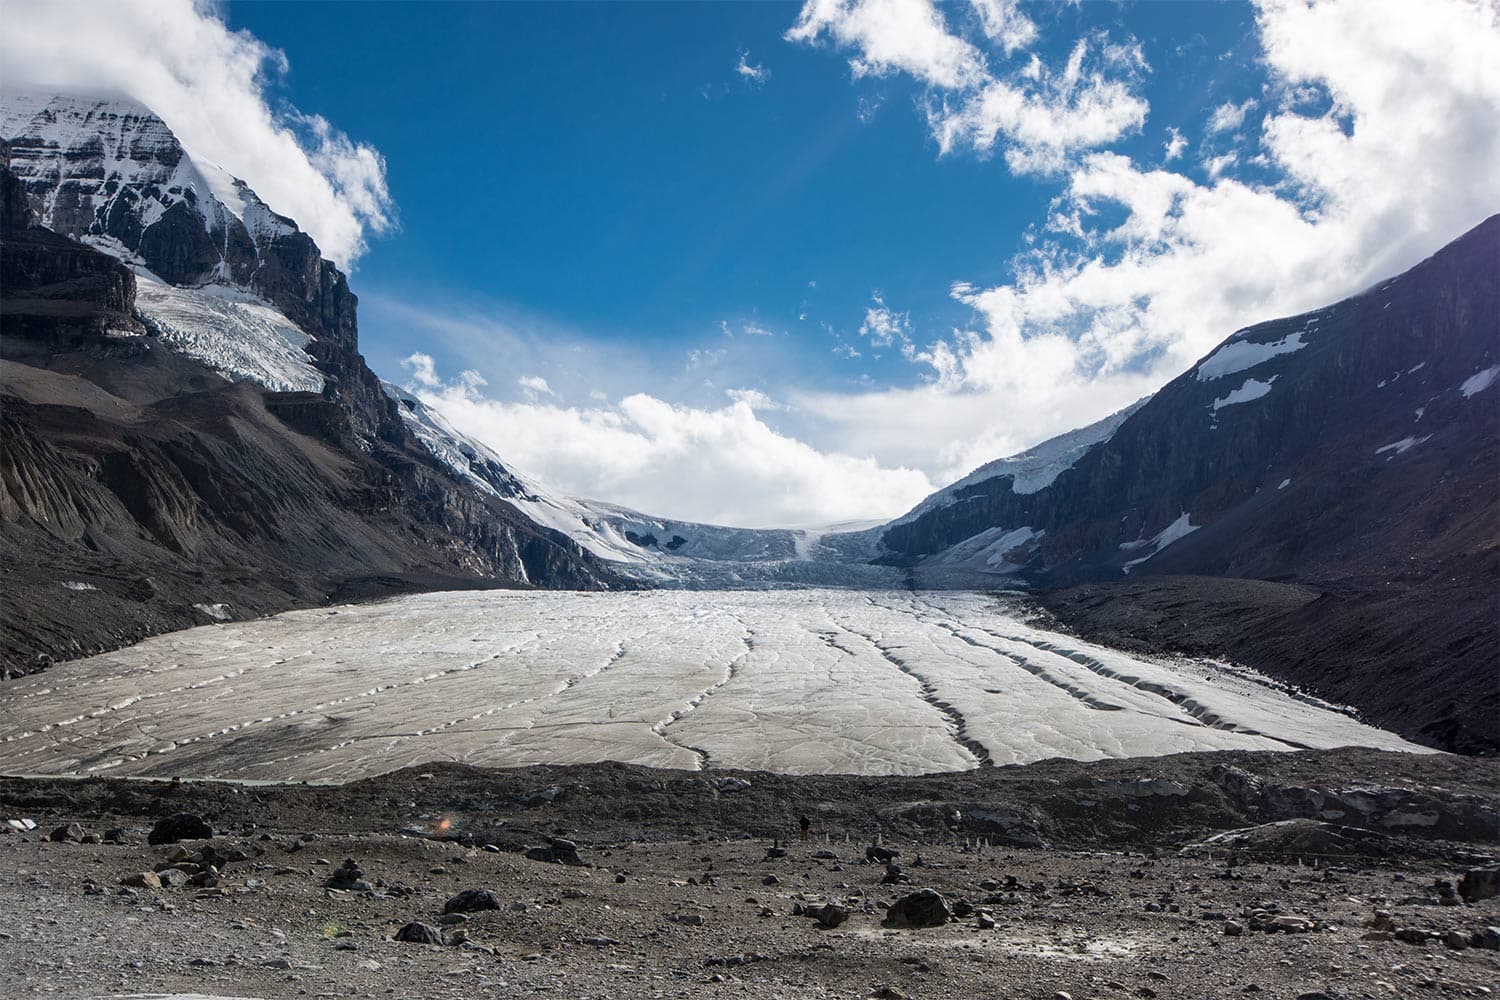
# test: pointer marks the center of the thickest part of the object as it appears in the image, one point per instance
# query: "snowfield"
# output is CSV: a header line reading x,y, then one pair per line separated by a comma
x,y
809,681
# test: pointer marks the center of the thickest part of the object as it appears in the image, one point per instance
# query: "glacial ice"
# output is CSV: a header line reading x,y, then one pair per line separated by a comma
x,y
798,681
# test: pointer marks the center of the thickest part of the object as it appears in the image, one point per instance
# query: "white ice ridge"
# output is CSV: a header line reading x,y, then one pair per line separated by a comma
x,y
802,681
1238,355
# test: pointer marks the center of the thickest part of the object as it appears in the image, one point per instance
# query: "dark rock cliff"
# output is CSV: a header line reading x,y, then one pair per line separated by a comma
x,y
140,491
1360,455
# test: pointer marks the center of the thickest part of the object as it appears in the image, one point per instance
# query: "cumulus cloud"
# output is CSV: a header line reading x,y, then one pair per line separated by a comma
x,y
721,465
211,87
1038,113
908,36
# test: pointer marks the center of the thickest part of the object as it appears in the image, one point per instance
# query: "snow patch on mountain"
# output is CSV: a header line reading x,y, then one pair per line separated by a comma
x,y
997,551
1479,381
1400,447
1252,389
1239,355
1174,532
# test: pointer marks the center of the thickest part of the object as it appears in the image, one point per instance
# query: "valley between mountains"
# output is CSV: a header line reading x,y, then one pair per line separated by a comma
x,y
305,692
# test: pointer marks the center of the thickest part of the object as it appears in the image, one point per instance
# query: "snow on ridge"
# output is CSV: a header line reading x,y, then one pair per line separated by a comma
x,y
1034,469
1252,390
1479,381
460,453
136,150
1239,355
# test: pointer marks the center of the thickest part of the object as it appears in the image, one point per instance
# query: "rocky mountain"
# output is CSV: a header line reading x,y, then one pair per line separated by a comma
x,y
1352,450
190,432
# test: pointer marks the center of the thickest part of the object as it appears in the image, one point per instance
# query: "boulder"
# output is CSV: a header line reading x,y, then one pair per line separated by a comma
x,y
182,826
923,908
1480,883
473,900
417,932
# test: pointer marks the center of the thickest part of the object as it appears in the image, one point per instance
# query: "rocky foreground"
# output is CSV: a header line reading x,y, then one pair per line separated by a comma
x,y
1349,873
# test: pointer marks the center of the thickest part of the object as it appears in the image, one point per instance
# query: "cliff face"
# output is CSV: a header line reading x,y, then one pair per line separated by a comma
x,y
1355,448
190,433
1302,447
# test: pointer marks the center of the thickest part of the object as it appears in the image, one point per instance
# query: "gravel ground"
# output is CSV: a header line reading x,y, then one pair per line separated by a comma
x,y
698,904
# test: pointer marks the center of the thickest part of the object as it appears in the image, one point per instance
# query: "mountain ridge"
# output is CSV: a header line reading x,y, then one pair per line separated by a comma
x,y
159,472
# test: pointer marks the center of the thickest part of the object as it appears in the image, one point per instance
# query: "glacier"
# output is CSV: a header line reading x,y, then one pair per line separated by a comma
x,y
795,681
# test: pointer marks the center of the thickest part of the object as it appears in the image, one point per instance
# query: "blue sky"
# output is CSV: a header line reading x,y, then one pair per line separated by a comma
x,y
792,264
603,171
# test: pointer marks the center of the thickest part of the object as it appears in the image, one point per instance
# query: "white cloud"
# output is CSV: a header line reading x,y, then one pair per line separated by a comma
x,y
884,326
1040,114
1043,115
1229,116
756,74
534,386
908,36
210,85
1406,158
1004,23
721,465
1176,143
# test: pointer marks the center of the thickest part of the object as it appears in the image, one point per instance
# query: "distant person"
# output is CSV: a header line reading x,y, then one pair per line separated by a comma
x,y
806,825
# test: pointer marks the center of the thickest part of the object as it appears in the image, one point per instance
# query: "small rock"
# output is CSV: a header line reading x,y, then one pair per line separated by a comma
x,y
831,915
142,880
348,877
174,878
1233,928
72,833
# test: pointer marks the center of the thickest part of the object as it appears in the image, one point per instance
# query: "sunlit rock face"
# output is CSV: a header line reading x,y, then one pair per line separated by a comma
x,y
808,681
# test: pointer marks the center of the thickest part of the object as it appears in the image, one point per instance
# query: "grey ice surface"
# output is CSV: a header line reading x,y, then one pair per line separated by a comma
x,y
803,681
